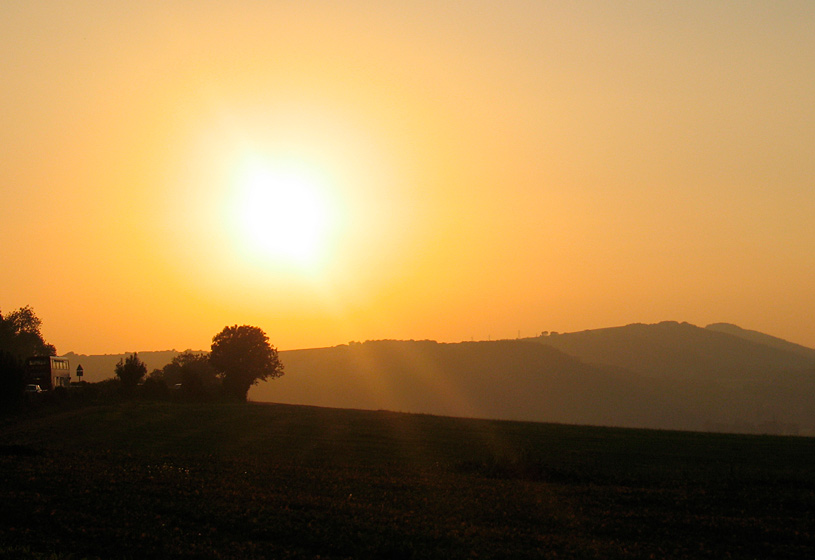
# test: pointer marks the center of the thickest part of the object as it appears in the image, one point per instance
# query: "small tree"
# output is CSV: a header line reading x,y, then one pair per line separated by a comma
x,y
243,356
193,372
130,371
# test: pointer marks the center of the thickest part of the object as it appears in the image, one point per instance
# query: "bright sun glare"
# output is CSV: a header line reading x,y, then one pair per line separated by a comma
x,y
283,212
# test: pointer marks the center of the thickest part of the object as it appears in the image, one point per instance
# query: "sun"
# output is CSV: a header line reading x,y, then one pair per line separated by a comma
x,y
283,212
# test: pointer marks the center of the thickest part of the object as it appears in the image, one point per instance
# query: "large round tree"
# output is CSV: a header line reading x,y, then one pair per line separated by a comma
x,y
243,356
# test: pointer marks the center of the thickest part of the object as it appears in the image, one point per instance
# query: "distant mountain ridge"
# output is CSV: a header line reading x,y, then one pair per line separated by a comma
x,y
498,379
684,351
761,338
668,375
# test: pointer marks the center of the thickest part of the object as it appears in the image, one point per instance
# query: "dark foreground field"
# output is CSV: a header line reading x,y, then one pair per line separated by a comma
x,y
272,481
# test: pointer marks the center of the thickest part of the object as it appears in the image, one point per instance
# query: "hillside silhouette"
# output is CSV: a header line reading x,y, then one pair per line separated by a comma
x,y
499,379
664,376
765,339
685,351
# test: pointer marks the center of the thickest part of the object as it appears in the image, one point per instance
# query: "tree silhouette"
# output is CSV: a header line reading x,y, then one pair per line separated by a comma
x,y
194,372
243,356
20,338
130,371
20,334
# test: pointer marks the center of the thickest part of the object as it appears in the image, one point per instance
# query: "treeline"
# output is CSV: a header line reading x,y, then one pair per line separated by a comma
x,y
240,357
190,376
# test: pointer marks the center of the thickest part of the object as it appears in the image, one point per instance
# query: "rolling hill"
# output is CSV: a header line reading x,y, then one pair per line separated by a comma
x,y
665,376
684,351
500,379
765,339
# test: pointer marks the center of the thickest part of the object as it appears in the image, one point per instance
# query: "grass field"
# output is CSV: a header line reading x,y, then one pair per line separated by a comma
x,y
219,481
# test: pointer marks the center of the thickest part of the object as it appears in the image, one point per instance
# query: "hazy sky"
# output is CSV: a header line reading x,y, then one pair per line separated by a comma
x,y
443,170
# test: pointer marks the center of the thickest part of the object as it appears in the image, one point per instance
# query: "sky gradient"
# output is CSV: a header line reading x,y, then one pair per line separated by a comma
x,y
483,169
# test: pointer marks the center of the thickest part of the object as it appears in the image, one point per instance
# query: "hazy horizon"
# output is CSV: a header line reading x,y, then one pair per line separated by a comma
x,y
544,334
336,172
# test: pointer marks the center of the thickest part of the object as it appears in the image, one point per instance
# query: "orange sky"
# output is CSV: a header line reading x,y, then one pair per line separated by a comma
x,y
485,168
